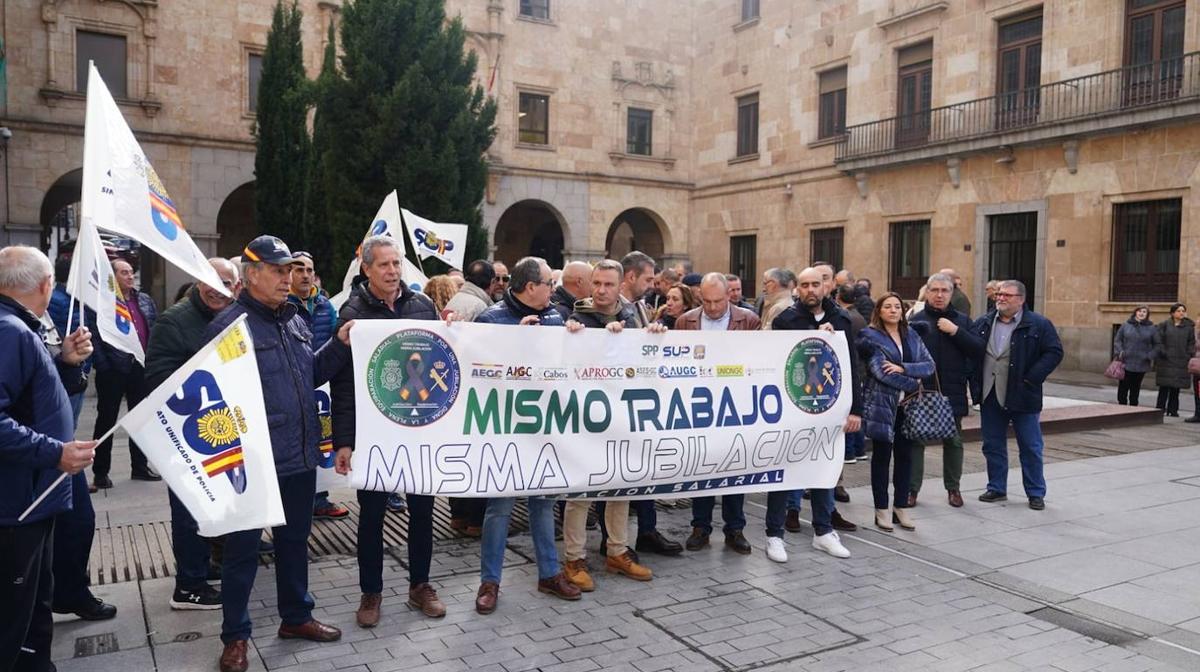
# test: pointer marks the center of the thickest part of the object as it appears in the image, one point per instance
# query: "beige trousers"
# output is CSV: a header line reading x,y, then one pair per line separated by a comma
x,y
616,519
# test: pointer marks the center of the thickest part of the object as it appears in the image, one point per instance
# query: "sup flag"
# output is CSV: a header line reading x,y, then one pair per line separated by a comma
x,y
205,430
93,283
327,478
447,242
122,193
387,222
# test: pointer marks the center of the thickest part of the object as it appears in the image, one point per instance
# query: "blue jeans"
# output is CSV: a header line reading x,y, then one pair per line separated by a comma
x,y
731,512
856,444
240,562
191,550
76,405
995,420
495,537
779,502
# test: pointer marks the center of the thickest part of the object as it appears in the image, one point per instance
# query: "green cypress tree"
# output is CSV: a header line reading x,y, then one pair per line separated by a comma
x,y
281,130
316,229
409,118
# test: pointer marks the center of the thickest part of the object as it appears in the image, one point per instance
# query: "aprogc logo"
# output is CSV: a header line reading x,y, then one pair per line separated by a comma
x,y
211,427
602,373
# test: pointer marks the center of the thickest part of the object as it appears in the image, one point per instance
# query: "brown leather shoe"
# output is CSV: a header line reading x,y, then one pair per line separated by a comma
x,y
576,572
233,658
792,523
912,499
955,498
560,587
837,522
458,524
625,564
368,610
473,531
486,598
737,541
422,596
313,631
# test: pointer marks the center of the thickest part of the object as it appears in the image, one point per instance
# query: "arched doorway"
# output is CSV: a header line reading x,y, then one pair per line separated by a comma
x,y
235,222
60,212
530,228
635,229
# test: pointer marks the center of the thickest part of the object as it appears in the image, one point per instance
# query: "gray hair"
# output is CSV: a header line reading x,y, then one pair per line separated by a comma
x,y
1017,285
369,245
941,277
715,279
23,268
222,262
247,265
783,276
525,271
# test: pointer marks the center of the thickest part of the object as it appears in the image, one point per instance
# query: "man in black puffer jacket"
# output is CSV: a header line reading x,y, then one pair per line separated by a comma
x,y
948,337
383,296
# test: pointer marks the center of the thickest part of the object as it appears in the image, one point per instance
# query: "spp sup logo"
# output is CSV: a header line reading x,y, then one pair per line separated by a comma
x,y
673,351
162,209
212,427
813,376
432,242
413,377
325,417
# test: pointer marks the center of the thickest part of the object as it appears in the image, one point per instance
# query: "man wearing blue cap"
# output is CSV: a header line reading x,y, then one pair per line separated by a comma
x,y
289,370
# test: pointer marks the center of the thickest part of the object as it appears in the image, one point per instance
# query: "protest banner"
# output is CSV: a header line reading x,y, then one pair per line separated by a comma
x,y
476,410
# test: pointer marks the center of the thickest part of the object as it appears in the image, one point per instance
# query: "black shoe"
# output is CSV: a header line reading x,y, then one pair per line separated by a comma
x,y
840,495
837,522
146,475
655,542
205,599
1194,418
102,482
993,496
697,541
737,541
1037,503
1171,414
92,610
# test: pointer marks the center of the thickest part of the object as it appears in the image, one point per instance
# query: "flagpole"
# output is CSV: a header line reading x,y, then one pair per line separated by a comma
x,y
60,479
70,314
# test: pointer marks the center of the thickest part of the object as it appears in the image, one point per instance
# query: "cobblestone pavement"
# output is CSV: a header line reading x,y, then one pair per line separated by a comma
x,y
1107,579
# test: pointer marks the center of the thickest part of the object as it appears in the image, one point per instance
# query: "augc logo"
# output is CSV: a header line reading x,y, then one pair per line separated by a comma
x,y
211,427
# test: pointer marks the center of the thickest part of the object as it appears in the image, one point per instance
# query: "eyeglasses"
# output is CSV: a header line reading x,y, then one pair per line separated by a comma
x,y
1005,295
548,283
503,278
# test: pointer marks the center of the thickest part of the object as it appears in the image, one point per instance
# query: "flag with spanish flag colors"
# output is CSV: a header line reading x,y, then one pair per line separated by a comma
x,y
93,282
122,193
205,430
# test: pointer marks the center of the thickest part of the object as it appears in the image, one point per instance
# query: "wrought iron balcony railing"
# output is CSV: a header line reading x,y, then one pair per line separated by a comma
x,y
1107,93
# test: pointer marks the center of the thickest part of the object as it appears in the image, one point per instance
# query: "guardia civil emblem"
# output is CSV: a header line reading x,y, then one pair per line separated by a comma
x,y
413,377
813,376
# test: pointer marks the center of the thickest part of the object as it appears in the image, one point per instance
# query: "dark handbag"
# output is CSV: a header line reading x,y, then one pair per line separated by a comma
x,y
1115,370
928,415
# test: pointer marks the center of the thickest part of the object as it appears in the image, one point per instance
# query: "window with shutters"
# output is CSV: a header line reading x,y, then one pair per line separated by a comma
x,y
747,125
832,114
910,257
536,9
639,132
1146,250
827,245
743,256
915,78
533,119
1019,71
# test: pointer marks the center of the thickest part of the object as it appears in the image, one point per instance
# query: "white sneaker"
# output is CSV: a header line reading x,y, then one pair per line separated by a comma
x,y
775,549
831,544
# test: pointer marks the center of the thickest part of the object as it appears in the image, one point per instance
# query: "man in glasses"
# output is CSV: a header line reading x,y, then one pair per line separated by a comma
x,y
175,338
318,313
1021,349
502,279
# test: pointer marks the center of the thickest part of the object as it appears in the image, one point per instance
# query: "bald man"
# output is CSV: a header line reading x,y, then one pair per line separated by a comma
x,y
576,284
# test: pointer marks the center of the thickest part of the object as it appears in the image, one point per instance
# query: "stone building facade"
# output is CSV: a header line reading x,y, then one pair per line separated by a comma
x,y
1056,142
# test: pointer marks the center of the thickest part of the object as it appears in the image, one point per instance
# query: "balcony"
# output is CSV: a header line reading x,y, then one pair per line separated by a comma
x,y
1106,101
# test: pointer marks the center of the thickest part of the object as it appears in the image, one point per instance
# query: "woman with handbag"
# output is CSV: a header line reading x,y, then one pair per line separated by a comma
x,y
897,361
1174,344
1133,347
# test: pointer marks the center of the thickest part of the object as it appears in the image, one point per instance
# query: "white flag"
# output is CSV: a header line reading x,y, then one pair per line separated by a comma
x,y
93,282
386,223
205,430
447,242
327,478
122,193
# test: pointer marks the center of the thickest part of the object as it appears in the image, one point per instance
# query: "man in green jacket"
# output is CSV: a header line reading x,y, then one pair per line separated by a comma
x,y
176,337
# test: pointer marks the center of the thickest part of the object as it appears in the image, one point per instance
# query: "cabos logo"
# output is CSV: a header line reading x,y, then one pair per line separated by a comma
x,y
325,416
430,241
211,427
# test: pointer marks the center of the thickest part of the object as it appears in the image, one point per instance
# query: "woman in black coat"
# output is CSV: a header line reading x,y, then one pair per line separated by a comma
x,y
1134,346
1174,343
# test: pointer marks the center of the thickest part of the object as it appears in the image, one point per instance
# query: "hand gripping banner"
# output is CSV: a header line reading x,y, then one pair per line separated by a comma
x,y
475,410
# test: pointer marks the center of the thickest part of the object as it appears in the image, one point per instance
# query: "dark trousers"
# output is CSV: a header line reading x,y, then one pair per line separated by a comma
x,y
191,550
1168,399
26,588
111,388
823,507
1130,388
881,458
240,562
647,517
732,512
73,533
470,509
1196,396
372,507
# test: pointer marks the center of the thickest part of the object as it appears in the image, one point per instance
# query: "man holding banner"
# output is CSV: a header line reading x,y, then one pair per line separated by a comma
x,y
178,335
289,371
383,295
36,428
